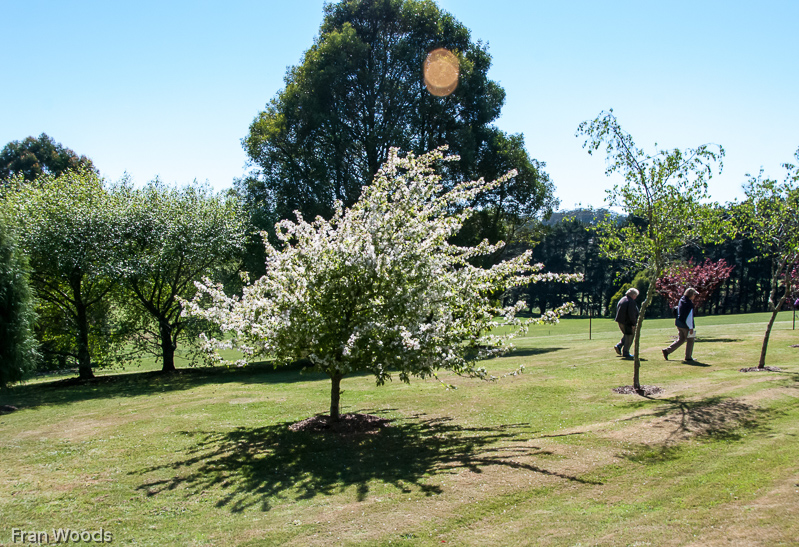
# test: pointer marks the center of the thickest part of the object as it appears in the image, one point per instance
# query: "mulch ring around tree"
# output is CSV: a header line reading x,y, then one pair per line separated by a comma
x,y
7,409
759,369
347,424
643,390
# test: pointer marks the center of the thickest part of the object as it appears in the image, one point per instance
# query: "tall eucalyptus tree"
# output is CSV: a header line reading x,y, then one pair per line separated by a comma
x,y
360,91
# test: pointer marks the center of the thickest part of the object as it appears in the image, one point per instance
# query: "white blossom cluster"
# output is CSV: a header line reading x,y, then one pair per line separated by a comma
x,y
377,287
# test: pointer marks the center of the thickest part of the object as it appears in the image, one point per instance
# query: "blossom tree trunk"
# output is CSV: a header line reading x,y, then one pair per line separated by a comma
x,y
335,396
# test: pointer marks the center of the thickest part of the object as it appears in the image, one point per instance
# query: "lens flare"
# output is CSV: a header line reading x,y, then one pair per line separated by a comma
x,y
441,70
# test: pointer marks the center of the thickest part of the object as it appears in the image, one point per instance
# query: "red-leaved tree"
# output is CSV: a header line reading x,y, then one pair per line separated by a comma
x,y
793,279
704,277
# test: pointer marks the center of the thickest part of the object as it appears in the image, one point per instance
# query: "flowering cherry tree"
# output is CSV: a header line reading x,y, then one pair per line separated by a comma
x,y
378,287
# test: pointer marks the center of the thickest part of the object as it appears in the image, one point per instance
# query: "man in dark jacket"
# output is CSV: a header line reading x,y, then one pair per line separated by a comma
x,y
626,317
685,326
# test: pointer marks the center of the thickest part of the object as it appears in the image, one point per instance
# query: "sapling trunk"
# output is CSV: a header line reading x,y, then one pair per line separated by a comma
x,y
637,339
775,311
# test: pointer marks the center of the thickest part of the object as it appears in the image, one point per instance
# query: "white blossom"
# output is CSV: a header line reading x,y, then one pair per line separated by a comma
x,y
378,287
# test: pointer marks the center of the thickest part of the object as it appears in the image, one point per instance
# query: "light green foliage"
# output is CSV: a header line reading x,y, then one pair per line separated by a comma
x,y
174,237
663,195
17,343
770,217
68,227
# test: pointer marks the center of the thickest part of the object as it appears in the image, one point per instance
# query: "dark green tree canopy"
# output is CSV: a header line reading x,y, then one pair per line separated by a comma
x,y
17,316
34,157
360,91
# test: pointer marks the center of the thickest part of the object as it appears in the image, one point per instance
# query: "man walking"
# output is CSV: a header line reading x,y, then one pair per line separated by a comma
x,y
626,317
685,326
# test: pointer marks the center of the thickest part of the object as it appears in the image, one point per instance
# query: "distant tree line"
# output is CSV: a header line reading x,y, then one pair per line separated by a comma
x,y
108,265
572,245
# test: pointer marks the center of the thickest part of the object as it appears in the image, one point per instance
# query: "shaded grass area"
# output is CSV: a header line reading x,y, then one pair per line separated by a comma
x,y
277,462
549,457
134,384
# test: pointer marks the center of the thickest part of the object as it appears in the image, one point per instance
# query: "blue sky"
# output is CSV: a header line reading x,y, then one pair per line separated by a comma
x,y
169,88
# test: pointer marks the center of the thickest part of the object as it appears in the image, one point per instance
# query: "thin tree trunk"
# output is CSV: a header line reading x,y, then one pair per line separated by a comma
x,y
84,356
774,313
637,341
335,396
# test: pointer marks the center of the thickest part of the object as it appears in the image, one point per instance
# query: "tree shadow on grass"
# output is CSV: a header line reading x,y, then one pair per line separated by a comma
x,y
702,340
529,352
791,379
695,363
260,467
134,384
710,419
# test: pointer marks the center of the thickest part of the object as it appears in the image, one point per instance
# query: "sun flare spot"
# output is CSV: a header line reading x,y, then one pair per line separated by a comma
x,y
441,70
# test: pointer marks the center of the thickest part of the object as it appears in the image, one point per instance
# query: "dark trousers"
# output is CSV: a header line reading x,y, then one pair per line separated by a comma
x,y
628,333
683,339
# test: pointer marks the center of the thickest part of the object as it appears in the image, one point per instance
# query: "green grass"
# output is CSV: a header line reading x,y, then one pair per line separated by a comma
x,y
549,457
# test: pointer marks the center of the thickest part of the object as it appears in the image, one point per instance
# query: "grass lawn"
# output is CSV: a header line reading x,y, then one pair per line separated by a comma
x,y
548,457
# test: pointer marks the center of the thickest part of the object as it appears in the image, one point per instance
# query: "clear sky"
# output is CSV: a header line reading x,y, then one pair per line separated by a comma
x,y
168,88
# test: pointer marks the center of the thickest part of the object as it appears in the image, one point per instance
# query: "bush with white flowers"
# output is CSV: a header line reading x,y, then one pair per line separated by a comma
x,y
377,287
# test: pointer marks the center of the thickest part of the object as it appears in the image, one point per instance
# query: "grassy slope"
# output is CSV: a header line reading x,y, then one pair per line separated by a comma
x,y
548,457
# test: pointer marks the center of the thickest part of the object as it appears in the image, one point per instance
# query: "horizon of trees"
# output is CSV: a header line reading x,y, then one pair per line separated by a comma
x,y
567,245
571,244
